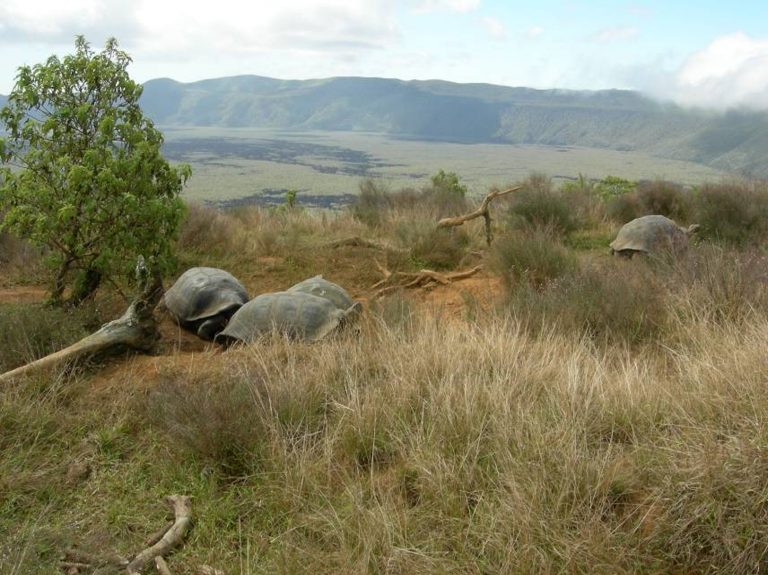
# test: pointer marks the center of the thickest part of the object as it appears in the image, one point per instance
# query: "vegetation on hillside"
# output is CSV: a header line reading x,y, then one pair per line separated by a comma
x,y
593,415
441,111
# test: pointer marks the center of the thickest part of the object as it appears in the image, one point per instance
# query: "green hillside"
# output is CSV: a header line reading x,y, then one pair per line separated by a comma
x,y
736,141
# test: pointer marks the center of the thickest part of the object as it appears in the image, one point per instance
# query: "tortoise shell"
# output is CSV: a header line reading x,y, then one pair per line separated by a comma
x,y
298,315
321,287
204,298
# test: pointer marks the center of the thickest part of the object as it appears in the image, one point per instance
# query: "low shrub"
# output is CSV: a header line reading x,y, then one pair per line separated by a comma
x,y
372,203
539,205
206,230
719,284
533,257
218,423
733,213
431,247
652,197
622,302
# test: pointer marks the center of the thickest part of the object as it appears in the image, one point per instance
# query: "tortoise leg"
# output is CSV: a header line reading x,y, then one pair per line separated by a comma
x,y
211,327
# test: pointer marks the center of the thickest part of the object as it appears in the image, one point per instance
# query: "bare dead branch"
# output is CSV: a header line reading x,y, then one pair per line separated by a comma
x,y
158,535
183,519
425,279
162,566
483,210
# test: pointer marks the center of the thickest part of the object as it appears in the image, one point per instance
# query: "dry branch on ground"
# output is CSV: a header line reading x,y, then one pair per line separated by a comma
x,y
425,279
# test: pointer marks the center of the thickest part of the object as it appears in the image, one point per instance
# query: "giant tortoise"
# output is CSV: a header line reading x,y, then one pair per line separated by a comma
x,y
321,287
651,235
203,299
297,315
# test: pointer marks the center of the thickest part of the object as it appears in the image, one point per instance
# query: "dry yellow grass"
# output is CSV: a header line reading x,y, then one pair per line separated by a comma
x,y
428,443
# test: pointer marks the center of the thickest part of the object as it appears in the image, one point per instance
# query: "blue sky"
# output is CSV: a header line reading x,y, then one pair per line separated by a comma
x,y
703,53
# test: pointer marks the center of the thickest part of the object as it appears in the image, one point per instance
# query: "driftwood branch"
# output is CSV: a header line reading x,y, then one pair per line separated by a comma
x,y
135,329
483,210
162,566
158,545
183,513
422,279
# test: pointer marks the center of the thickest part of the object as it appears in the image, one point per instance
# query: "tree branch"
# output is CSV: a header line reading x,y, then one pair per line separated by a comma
x,y
483,210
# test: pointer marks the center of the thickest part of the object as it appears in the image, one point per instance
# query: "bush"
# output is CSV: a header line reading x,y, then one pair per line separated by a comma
x,y
372,204
719,284
218,423
539,205
94,188
656,197
533,257
431,247
733,213
622,302
205,230
613,187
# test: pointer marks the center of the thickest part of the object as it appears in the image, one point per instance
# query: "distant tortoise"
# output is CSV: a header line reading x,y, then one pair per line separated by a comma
x,y
651,234
203,299
321,287
298,315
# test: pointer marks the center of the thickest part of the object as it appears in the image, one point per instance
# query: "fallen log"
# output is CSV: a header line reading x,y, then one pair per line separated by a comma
x,y
483,210
135,329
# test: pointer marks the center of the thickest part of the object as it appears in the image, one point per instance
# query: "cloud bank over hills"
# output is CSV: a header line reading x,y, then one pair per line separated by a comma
x,y
718,59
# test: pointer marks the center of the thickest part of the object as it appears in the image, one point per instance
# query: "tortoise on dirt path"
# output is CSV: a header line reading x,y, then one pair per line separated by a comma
x,y
651,234
321,287
203,299
298,315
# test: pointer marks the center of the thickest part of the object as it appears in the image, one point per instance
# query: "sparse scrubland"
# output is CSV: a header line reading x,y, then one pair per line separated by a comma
x,y
575,413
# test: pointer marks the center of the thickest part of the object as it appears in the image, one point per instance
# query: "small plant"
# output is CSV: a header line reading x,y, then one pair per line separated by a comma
x,y
733,213
219,423
372,204
440,249
532,257
612,187
290,199
621,303
652,197
539,205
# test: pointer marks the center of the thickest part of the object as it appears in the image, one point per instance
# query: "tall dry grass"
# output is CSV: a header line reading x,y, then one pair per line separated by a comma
x,y
449,448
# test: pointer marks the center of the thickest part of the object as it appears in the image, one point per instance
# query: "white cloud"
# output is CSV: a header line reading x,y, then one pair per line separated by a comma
x,y
731,71
495,28
448,5
534,32
46,18
614,34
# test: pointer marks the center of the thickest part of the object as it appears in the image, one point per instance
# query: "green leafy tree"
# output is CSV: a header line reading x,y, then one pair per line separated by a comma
x,y
448,182
82,173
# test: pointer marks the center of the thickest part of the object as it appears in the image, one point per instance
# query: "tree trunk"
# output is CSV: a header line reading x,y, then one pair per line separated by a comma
x,y
136,329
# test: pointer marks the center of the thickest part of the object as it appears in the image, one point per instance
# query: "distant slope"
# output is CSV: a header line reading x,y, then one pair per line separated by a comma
x,y
613,119
736,141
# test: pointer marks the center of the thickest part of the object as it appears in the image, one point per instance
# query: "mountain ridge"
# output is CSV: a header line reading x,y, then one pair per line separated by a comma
x,y
439,110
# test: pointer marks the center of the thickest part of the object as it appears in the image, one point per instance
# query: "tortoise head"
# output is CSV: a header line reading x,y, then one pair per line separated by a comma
x,y
692,229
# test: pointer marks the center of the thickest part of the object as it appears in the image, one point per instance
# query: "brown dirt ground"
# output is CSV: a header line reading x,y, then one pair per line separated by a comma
x,y
352,267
